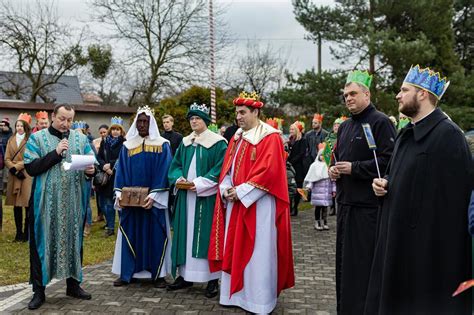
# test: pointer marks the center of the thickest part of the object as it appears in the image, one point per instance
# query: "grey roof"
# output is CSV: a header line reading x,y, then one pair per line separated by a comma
x,y
65,91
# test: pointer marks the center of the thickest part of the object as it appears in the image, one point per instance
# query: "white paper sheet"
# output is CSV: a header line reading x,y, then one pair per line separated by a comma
x,y
79,162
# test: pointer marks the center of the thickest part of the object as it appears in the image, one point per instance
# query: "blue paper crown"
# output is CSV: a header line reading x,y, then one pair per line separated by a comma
x,y
428,80
116,120
79,125
203,108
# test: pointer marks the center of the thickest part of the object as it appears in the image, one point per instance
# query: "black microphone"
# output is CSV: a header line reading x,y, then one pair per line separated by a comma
x,y
65,135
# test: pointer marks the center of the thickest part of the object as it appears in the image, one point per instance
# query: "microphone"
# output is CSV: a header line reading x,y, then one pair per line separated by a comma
x,y
65,135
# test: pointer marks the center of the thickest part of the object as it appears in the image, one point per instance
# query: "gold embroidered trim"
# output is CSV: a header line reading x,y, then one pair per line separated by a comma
x,y
161,260
128,241
242,152
218,223
258,186
145,148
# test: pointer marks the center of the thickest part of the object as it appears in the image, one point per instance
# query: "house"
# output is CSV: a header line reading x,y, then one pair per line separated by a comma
x,y
17,86
15,91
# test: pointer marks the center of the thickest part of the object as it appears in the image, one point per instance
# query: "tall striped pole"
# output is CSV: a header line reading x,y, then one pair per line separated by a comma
x,y
213,75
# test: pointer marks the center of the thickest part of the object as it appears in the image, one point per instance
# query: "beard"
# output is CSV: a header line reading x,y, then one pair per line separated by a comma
x,y
411,108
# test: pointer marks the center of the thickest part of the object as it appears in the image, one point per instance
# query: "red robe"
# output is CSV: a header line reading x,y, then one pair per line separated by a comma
x,y
262,166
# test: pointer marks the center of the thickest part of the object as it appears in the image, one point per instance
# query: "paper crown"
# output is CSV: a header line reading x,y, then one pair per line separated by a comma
x,y
79,125
116,120
272,122
361,77
340,120
318,117
147,110
41,115
299,125
275,122
427,80
246,99
213,127
202,108
25,117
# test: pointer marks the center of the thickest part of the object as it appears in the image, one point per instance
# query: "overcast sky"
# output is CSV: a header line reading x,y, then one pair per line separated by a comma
x,y
265,21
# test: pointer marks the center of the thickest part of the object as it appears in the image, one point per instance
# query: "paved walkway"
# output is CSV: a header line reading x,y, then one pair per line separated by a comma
x,y
314,292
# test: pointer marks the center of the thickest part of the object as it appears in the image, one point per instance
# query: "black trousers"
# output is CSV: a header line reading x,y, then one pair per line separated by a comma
x,y
355,244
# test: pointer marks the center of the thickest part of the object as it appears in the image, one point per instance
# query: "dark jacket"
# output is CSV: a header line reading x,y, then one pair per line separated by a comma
x,y
174,138
297,155
229,132
4,136
109,154
351,146
313,139
423,249
290,176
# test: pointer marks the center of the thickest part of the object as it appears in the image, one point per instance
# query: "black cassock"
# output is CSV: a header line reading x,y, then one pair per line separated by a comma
x,y
423,249
358,206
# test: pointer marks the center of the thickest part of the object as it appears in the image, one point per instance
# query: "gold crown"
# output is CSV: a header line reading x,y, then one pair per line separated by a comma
x,y
252,96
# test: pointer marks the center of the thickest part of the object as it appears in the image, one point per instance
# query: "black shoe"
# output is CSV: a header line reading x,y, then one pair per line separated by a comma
x,y
178,284
160,283
78,293
212,288
38,299
19,237
119,282
108,232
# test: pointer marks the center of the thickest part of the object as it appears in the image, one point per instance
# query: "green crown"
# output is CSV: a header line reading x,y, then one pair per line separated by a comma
x,y
361,77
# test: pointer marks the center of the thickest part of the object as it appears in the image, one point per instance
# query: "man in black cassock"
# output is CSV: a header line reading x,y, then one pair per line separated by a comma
x,y
423,249
354,170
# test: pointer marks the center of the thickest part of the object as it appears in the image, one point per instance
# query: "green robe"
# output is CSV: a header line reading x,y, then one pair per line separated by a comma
x,y
209,158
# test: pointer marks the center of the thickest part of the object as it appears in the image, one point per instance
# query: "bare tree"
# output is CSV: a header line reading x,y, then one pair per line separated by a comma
x,y
166,40
35,43
260,69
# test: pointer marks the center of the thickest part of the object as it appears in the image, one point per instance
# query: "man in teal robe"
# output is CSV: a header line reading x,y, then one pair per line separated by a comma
x,y
59,205
197,161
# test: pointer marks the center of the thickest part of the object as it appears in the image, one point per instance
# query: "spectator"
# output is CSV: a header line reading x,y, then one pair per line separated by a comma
x,y
315,136
172,136
109,151
19,182
297,146
103,130
322,190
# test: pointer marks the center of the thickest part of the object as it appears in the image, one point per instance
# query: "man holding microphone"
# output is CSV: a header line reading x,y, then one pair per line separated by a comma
x,y
58,207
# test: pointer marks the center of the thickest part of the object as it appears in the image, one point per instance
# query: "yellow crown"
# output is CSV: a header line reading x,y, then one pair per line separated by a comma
x,y
252,96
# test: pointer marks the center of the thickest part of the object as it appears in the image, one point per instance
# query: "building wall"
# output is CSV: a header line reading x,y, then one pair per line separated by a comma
x,y
94,119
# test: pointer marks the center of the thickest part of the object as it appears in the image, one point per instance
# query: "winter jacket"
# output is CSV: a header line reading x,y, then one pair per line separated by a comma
x,y
321,192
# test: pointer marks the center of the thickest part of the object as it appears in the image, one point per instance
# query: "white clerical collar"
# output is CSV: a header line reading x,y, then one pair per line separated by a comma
x,y
206,138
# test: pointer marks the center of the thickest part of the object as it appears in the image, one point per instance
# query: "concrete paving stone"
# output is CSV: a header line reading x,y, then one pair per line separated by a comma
x,y
314,292
140,311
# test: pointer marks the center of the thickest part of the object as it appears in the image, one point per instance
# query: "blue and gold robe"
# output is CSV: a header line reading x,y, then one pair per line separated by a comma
x,y
144,233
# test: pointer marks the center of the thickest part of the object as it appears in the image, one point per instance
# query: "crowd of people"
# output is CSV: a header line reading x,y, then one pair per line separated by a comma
x,y
215,207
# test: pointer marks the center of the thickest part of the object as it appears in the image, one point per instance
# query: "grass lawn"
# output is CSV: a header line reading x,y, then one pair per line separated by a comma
x,y
14,256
